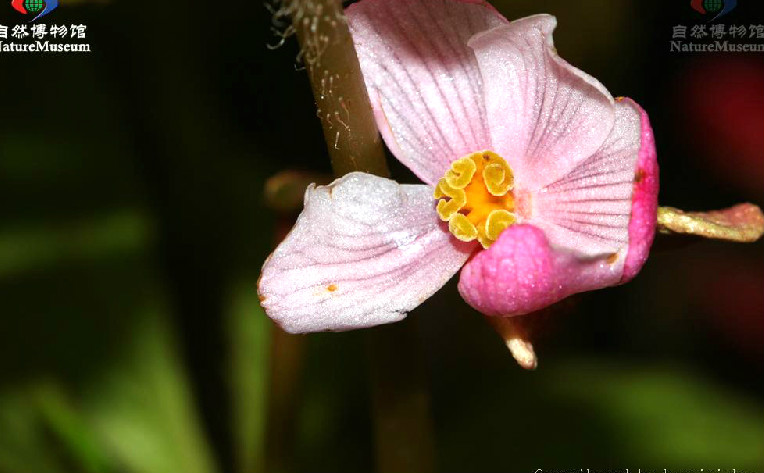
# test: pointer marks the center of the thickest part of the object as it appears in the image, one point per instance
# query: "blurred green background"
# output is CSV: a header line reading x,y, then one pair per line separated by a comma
x,y
133,228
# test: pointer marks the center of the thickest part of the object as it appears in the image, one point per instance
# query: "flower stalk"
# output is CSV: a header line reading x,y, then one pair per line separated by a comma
x,y
403,432
335,76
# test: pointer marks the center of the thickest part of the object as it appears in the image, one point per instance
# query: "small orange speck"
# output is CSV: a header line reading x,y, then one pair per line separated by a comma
x,y
619,99
640,176
262,298
331,287
612,258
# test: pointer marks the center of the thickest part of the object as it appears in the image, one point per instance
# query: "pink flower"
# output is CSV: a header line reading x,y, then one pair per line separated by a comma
x,y
547,184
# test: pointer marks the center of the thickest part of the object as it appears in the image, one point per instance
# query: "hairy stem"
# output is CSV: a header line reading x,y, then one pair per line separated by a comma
x,y
400,400
338,88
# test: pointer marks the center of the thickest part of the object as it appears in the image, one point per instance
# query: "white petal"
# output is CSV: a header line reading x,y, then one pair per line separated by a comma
x,y
364,251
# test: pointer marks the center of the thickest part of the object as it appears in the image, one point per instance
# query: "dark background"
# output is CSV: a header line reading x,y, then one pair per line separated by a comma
x,y
133,228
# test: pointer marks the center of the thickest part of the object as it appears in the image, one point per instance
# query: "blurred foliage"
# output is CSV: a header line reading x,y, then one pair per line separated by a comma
x,y
132,229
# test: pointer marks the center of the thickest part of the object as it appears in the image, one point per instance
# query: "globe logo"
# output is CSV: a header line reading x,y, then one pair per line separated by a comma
x,y
33,6
38,7
718,8
713,6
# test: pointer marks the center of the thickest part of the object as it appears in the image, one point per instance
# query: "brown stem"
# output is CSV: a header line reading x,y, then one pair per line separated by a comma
x,y
401,405
286,360
338,88
403,434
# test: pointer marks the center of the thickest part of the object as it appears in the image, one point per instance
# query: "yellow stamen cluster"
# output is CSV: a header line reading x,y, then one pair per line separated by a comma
x,y
475,197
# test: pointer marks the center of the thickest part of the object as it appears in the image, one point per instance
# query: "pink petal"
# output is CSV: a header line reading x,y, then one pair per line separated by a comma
x,y
423,80
545,116
644,202
522,273
364,251
589,209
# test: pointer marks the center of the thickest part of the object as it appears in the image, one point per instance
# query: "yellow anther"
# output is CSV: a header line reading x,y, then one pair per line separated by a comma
x,y
498,178
461,172
497,222
484,240
456,199
475,197
462,228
